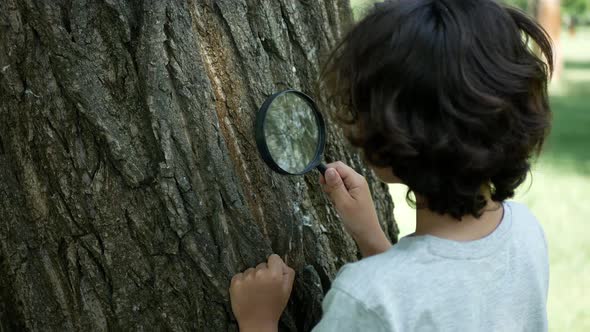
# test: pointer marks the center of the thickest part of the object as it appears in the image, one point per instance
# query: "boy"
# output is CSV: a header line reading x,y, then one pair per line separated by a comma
x,y
449,98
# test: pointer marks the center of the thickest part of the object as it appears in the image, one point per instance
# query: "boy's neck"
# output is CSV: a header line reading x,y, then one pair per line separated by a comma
x,y
469,228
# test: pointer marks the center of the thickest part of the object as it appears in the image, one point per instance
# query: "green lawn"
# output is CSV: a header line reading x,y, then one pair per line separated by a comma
x,y
558,191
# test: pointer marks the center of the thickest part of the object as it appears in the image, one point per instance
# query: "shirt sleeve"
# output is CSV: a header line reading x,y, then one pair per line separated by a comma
x,y
342,312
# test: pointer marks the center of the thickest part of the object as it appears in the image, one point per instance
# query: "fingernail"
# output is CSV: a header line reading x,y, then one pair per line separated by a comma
x,y
331,173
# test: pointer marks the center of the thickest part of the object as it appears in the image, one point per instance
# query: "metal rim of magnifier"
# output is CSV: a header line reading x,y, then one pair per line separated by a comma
x,y
261,138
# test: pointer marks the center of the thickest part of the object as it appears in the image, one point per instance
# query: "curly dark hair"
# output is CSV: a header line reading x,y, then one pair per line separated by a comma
x,y
452,95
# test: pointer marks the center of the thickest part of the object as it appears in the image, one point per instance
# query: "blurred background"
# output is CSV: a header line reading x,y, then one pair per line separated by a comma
x,y
558,190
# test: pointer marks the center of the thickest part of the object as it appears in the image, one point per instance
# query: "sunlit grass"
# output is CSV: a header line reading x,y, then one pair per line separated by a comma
x,y
560,189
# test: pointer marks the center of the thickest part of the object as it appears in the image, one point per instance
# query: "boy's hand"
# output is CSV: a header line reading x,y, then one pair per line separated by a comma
x,y
259,296
352,199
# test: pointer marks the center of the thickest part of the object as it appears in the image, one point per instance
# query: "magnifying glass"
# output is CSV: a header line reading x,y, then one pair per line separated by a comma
x,y
290,133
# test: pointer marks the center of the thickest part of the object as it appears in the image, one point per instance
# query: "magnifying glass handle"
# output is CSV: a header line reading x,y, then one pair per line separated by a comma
x,y
322,168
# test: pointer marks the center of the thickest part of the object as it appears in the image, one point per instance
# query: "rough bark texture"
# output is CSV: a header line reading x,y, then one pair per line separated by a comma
x,y
130,186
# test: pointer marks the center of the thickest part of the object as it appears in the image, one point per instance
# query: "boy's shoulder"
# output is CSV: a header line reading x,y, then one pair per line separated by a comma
x,y
528,231
368,278
415,262
526,225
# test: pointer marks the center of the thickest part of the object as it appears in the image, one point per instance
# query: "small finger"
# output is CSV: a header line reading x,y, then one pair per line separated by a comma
x,y
275,264
288,279
249,272
349,176
261,266
287,269
237,277
335,187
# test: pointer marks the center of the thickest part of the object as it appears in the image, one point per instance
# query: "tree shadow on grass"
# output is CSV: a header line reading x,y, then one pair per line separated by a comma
x,y
577,65
568,145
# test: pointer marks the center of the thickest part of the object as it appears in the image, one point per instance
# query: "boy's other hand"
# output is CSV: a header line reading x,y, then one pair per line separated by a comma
x,y
352,199
259,295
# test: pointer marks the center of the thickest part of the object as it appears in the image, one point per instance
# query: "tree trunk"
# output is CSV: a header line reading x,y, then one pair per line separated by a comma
x,y
549,16
532,7
131,188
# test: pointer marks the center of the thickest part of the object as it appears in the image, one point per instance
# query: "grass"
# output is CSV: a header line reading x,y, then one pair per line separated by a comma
x,y
559,188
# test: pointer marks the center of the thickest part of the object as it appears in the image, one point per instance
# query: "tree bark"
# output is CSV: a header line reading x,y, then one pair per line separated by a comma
x,y
131,188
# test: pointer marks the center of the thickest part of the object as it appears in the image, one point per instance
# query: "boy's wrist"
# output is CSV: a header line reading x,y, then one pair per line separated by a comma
x,y
371,240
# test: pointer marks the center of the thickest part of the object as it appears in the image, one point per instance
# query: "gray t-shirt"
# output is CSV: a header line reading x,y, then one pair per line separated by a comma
x,y
425,283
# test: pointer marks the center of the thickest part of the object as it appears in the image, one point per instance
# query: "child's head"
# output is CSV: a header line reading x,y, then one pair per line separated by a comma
x,y
447,94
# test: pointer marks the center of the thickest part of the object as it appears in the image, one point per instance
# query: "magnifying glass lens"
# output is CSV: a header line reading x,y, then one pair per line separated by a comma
x,y
290,133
